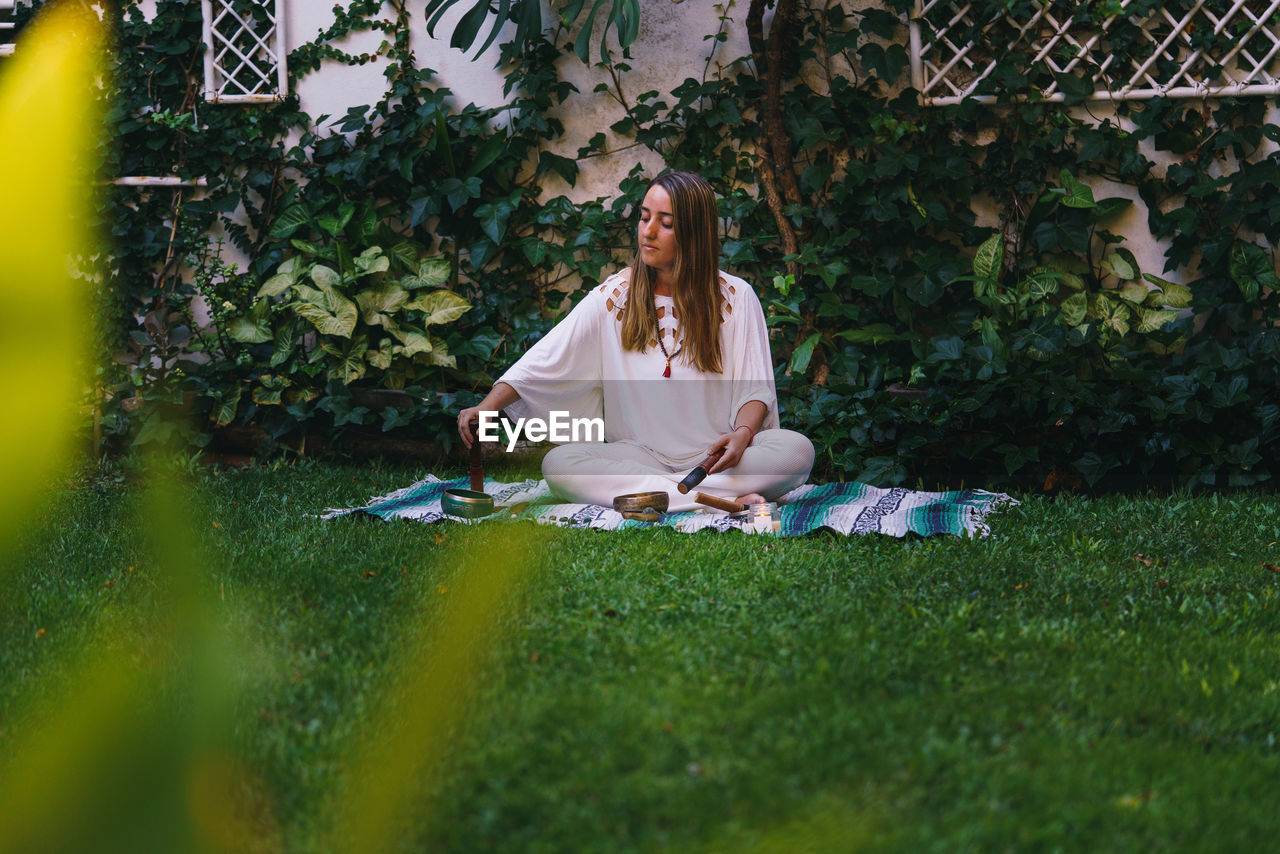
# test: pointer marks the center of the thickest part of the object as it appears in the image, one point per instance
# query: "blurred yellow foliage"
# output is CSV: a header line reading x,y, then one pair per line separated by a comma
x,y
394,759
49,123
125,743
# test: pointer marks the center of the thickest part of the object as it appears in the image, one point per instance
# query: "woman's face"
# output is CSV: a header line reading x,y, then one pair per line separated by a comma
x,y
656,233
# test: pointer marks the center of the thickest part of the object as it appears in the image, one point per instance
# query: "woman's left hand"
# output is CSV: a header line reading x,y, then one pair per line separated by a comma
x,y
733,444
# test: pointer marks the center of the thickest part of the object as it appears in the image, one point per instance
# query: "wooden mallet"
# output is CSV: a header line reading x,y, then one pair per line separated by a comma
x,y
719,503
699,473
476,463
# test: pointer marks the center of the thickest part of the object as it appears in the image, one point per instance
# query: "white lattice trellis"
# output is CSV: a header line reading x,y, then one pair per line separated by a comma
x,y
7,28
244,60
1166,52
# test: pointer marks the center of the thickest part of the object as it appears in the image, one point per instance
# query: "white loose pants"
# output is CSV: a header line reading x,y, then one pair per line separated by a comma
x,y
776,462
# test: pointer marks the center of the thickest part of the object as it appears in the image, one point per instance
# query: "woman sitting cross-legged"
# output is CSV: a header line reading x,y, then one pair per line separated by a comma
x,y
674,355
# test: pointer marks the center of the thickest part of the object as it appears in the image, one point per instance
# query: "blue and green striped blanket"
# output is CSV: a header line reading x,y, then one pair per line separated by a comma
x,y
849,508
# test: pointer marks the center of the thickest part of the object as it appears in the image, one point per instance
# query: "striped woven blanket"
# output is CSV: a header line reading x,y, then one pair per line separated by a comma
x,y
849,508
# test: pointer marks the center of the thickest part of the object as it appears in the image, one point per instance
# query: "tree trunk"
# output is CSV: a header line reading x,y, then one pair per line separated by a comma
x,y
777,169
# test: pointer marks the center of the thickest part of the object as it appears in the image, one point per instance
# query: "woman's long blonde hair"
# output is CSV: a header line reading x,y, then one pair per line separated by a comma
x,y
695,280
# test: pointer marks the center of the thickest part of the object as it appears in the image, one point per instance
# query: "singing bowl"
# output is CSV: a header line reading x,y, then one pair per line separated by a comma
x,y
642,506
466,503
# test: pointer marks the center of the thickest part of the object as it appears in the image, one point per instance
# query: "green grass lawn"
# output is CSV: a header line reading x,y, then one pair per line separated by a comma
x,y
1098,674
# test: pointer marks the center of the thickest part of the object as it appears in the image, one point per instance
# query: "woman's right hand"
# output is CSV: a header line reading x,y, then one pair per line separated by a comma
x,y
465,419
499,397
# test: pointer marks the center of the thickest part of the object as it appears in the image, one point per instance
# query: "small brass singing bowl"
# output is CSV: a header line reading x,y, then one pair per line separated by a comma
x,y
642,506
466,503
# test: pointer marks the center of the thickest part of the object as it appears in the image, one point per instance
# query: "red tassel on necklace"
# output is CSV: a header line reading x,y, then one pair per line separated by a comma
x,y
666,372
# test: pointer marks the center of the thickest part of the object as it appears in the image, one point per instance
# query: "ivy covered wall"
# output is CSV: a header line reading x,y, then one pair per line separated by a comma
x,y
955,294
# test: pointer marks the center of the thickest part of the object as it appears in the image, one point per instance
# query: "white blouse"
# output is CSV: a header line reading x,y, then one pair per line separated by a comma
x,y
580,367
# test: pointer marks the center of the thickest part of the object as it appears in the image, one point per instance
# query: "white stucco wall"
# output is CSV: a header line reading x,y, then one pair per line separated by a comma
x,y
670,48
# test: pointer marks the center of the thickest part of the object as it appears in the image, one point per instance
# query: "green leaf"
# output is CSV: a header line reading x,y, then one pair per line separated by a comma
x,y
504,6
468,26
225,412
267,396
1076,88
945,348
286,341
1113,316
439,355
347,362
1050,235
802,355
570,10
371,261
530,23
582,44
334,225
565,167
286,275
459,193
1084,333
1110,207
346,266
325,277
1071,280
294,396
629,26
382,357
1230,394
1176,296
276,285
1078,195
1116,265
290,220
412,341
1152,319
990,255
873,334
990,335
377,303
1251,269
493,218
869,284
984,290
535,249
407,253
487,152
432,273
312,248
1093,466
440,307
1134,292
1017,456
254,327
329,311
1042,283
1073,309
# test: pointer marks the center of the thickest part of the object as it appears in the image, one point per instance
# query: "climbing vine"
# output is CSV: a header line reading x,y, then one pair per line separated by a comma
x,y
915,342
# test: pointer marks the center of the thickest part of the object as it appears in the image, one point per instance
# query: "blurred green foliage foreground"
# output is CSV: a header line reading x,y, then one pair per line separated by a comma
x,y
191,661
206,666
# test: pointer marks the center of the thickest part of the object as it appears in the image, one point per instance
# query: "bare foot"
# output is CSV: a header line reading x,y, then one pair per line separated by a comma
x,y
751,498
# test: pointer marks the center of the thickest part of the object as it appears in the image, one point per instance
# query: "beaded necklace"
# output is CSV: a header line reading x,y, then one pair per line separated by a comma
x,y
666,372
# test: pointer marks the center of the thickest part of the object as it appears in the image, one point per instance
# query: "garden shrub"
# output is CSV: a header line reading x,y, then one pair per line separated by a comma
x,y
913,343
